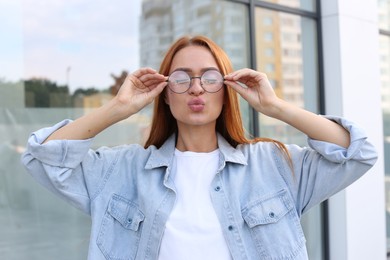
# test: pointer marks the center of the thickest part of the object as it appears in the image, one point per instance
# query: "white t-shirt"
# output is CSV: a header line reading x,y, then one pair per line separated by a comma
x,y
193,230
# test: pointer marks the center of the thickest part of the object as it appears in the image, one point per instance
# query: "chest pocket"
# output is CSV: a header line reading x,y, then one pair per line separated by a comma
x,y
120,230
274,226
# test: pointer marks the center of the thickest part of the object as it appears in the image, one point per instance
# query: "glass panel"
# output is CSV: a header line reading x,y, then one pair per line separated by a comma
x,y
62,59
287,53
384,53
223,21
58,60
307,5
384,14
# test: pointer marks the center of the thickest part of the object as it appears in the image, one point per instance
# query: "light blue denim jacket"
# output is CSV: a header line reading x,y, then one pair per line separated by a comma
x,y
257,196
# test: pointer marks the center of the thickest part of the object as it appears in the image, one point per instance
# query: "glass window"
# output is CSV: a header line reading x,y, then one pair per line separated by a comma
x,y
267,21
231,33
308,5
58,60
268,36
269,52
63,59
269,67
294,76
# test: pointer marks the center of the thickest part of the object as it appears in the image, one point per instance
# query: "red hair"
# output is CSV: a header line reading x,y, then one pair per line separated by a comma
x,y
229,123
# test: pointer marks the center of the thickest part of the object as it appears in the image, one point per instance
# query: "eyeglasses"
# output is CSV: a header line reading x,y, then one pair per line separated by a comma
x,y
211,81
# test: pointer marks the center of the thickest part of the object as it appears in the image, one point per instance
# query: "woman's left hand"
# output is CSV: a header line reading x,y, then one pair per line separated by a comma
x,y
257,90
261,96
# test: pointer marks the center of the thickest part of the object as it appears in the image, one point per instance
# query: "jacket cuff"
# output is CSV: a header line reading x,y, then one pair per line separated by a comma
x,y
59,153
336,153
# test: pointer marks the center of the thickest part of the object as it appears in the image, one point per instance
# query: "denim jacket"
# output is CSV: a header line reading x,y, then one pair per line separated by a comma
x,y
258,197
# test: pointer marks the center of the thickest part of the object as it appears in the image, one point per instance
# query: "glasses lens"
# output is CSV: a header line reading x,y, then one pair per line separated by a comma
x,y
212,81
179,81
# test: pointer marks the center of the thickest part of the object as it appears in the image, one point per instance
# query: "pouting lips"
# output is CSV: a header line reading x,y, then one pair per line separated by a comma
x,y
196,104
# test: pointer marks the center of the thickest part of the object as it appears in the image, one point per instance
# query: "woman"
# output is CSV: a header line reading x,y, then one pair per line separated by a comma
x,y
198,189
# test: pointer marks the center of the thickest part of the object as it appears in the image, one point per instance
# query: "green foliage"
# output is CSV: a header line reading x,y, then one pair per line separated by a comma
x,y
85,92
42,92
45,93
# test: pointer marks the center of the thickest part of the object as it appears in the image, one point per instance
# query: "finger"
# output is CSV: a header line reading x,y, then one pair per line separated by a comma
x,y
154,92
243,91
144,82
234,74
134,82
142,71
245,75
150,79
153,83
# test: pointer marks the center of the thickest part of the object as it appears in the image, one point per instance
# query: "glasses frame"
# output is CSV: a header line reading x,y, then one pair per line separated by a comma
x,y
197,77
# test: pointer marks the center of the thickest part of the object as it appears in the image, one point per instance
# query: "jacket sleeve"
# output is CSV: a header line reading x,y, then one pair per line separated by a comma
x,y
68,168
325,168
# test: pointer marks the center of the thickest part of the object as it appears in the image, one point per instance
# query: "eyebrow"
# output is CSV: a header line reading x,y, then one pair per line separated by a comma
x,y
190,70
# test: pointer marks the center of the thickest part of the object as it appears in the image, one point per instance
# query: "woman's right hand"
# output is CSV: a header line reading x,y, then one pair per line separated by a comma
x,y
139,90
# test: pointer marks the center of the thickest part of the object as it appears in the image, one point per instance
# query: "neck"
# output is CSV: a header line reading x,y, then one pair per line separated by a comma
x,y
199,139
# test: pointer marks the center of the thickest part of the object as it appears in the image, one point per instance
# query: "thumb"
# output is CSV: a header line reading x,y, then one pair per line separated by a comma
x,y
153,93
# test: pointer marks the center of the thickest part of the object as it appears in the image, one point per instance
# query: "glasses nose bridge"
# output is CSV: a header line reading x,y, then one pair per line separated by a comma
x,y
198,88
198,77
200,83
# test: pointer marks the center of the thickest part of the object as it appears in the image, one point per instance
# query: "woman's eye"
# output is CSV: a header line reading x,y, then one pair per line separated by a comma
x,y
210,81
181,81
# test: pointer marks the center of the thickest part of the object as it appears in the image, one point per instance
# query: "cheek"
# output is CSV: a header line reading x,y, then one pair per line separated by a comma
x,y
169,97
222,98
174,103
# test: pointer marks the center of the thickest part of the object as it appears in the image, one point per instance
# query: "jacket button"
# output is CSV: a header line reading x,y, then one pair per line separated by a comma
x,y
217,188
271,214
230,228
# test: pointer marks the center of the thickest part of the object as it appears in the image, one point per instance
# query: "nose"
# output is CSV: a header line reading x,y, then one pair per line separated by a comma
x,y
196,88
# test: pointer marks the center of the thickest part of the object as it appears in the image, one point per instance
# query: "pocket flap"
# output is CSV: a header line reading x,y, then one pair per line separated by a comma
x,y
267,210
126,212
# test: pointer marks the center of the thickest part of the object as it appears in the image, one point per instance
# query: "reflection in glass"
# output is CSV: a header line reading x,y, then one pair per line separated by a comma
x,y
58,60
223,21
289,60
307,5
62,59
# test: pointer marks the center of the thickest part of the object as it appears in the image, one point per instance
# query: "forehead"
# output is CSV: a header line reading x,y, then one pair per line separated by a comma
x,y
194,58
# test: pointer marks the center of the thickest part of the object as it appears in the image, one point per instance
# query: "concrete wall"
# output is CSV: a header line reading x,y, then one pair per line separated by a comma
x,y
352,90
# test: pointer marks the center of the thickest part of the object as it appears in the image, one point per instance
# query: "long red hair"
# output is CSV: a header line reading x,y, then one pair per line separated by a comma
x,y
229,123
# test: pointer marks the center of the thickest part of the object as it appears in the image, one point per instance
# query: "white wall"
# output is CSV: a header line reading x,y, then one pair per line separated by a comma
x,y
352,90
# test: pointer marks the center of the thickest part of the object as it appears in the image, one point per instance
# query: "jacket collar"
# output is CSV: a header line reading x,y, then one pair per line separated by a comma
x,y
164,155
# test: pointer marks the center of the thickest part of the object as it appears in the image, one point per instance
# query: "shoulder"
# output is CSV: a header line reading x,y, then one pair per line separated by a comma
x,y
281,155
263,147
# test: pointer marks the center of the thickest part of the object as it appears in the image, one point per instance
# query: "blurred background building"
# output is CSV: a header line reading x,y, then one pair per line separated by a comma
x,y
64,59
